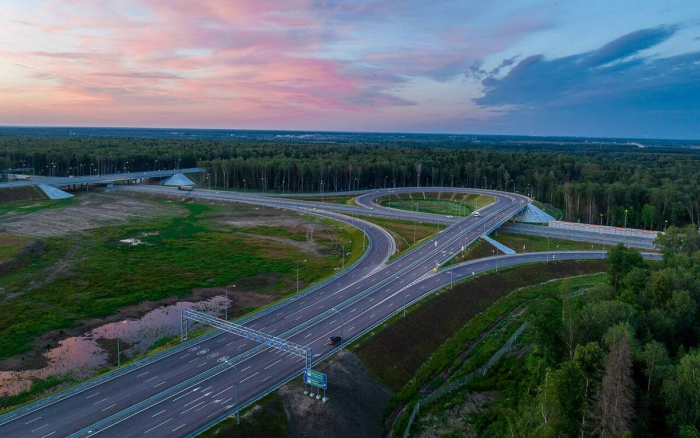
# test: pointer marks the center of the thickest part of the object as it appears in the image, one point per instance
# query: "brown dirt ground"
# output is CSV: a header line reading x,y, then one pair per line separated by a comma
x,y
95,210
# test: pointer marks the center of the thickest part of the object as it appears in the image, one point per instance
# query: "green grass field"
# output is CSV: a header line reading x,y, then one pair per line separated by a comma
x,y
525,243
91,274
405,232
338,199
448,204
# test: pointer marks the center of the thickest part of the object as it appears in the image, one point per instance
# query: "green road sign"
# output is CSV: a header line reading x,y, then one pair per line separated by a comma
x,y
314,378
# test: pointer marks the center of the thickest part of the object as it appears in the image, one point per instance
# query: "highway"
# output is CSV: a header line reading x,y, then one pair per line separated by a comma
x,y
183,392
72,414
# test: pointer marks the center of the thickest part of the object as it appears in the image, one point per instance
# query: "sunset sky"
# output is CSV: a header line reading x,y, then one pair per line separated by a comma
x,y
626,68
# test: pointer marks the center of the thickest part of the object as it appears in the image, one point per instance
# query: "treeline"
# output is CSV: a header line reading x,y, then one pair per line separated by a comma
x,y
646,188
616,361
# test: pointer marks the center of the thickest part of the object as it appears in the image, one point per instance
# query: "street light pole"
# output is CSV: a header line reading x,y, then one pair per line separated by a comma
x,y
625,218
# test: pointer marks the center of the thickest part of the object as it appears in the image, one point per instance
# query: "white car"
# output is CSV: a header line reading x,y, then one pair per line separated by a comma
x,y
476,214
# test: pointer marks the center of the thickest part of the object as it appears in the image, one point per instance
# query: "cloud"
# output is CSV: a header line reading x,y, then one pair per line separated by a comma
x,y
614,68
614,86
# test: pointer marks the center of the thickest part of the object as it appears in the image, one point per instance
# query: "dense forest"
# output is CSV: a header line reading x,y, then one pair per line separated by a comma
x,y
618,360
649,187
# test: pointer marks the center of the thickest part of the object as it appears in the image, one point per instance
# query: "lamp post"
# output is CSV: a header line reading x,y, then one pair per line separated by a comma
x,y
625,218
226,314
299,264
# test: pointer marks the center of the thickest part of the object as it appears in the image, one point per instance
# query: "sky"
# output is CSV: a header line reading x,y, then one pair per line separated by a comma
x,y
600,68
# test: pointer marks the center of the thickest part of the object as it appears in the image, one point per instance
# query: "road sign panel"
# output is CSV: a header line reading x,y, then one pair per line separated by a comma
x,y
314,378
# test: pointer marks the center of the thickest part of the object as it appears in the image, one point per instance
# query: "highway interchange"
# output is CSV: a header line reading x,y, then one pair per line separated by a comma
x,y
193,386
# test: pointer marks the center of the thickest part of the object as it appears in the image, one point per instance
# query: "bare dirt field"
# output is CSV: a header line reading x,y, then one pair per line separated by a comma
x,y
87,211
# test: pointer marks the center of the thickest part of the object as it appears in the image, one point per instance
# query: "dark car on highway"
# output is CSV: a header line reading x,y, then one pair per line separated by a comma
x,y
333,340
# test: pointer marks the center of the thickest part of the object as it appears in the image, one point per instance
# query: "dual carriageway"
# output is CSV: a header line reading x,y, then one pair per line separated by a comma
x,y
188,388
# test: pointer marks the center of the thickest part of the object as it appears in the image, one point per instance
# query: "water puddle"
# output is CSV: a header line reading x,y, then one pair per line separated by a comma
x,y
83,355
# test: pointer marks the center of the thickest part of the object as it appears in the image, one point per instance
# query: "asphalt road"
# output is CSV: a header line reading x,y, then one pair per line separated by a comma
x,y
147,387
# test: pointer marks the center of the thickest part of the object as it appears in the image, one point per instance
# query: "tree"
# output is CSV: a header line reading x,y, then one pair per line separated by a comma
x,y
656,361
660,292
682,392
622,260
546,318
614,401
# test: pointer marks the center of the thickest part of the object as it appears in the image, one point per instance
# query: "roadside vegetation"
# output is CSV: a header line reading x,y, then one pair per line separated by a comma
x,y
617,359
91,274
405,233
525,243
449,204
338,199
398,349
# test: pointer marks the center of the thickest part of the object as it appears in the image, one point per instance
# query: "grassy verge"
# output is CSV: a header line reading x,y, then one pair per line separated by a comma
x,y
404,231
330,199
524,243
450,204
505,382
476,250
93,274
403,354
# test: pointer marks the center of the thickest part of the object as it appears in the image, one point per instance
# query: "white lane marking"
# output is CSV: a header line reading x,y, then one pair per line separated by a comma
x,y
201,364
221,340
222,391
38,418
307,335
49,434
202,407
185,394
252,375
143,374
155,415
100,401
157,425
232,342
192,360
109,407
182,425
157,385
40,427
298,318
246,368
89,396
152,378
351,328
181,357
266,378
274,363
